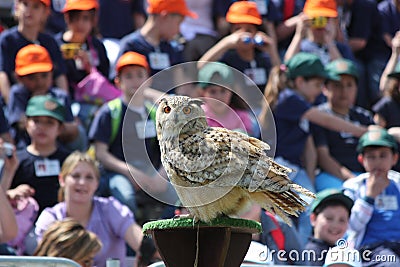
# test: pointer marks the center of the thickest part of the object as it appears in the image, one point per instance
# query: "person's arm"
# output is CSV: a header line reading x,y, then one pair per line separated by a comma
x,y
380,120
9,169
332,122
301,28
133,236
287,28
330,36
391,64
331,165
309,158
4,86
69,131
8,222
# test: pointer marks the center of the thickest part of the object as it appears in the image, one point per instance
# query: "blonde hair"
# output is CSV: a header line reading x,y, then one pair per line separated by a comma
x,y
70,163
68,239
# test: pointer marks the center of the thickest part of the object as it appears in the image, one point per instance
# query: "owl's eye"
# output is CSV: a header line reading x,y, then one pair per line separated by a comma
x,y
187,110
167,109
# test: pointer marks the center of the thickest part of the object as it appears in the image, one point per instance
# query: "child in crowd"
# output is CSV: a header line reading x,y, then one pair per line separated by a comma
x,y
246,49
40,162
336,151
293,113
69,239
135,143
374,222
34,73
223,107
31,16
153,40
81,19
113,223
330,213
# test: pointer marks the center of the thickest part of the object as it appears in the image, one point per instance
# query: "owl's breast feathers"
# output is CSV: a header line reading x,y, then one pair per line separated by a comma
x,y
219,158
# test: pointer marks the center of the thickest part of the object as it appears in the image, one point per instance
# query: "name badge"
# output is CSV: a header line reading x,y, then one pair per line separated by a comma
x,y
386,202
257,75
159,61
47,167
145,129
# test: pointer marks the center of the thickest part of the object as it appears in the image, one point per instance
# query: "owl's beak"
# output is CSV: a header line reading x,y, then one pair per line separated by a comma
x,y
175,118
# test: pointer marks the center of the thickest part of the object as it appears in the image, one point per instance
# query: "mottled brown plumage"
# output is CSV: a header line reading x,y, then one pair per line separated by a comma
x,y
216,171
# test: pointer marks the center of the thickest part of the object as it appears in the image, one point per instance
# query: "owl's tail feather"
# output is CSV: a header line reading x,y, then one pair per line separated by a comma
x,y
302,190
280,203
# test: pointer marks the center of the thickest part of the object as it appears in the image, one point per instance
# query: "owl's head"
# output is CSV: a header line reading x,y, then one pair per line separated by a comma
x,y
178,115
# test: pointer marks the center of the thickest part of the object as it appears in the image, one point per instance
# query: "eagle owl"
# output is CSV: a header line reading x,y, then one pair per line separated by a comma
x,y
218,172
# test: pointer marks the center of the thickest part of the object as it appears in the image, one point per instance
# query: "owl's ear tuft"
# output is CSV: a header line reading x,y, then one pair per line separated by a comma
x,y
196,101
162,100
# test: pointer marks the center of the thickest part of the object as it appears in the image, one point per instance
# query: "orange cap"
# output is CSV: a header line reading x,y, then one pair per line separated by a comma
x,y
170,6
32,59
131,58
80,5
320,8
244,12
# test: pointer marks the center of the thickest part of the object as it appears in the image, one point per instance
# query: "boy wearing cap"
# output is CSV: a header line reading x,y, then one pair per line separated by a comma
x,y
40,162
129,152
31,15
374,222
336,151
34,69
154,41
293,113
316,32
330,213
246,49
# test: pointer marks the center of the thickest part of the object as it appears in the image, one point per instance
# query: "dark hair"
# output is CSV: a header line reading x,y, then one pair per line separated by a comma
x,y
330,203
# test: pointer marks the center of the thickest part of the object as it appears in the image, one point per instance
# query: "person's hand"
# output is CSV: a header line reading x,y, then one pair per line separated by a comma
x,y
396,42
303,24
21,191
84,59
376,183
330,32
267,42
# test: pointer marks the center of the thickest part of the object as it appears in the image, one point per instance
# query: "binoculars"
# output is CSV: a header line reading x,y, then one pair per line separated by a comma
x,y
257,40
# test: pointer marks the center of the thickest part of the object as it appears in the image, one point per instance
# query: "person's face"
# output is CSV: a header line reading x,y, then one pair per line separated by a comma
x,y
378,160
81,24
171,25
217,98
244,27
31,12
131,78
80,184
37,82
342,94
43,130
330,224
310,88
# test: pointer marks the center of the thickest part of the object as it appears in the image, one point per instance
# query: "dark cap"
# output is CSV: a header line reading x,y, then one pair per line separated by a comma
x,y
215,73
396,72
305,65
45,105
339,67
376,137
331,195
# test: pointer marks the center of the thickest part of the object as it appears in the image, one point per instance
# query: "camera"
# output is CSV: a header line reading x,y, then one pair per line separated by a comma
x,y
70,50
319,22
257,40
8,149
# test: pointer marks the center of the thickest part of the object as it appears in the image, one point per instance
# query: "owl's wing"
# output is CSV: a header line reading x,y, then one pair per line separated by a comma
x,y
227,158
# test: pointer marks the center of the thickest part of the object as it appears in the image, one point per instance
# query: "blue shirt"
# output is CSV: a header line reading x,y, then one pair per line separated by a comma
x,y
322,51
390,19
292,131
11,41
342,146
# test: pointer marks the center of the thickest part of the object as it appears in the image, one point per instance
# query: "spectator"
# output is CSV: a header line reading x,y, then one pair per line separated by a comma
x,y
28,31
223,106
316,32
40,162
330,213
126,182
336,151
34,72
69,239
374,216
246,49
293,113
81,19
202,33
154,41
112,222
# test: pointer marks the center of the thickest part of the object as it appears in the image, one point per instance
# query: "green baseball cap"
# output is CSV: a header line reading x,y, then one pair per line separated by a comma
x,y
45,105
215,73
341,66
376,137
305,65
396,72
331,195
